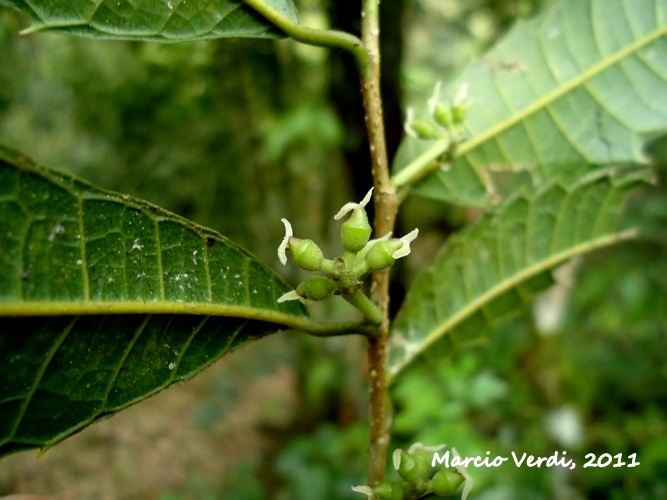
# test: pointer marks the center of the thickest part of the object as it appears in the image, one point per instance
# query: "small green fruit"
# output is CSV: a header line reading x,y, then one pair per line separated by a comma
x,y
443,115
459,114
388,490
445,482
355,231
380,255
414,468
306,254
316,288
425,130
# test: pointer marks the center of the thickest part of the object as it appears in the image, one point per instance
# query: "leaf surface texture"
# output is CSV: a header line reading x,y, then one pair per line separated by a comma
x,y
106,299
580,84
151,20
494,266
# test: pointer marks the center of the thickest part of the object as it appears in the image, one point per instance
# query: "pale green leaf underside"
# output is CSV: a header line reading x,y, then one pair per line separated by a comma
x,y
496,264
581,84
151,20
162,298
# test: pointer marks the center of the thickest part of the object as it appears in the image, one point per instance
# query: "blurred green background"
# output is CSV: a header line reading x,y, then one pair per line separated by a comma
x,y
236,134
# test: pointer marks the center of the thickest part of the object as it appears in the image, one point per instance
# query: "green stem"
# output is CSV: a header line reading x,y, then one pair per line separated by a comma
x,y
441,152
359,300
316,329
424,164
312,36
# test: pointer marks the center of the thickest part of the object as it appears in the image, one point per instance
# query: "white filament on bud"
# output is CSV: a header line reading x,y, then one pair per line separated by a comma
x,y
370,243
461,94
366,490
348,207
289,296
396,458
415,447
407,125
464,472
435,97
405,248
282,255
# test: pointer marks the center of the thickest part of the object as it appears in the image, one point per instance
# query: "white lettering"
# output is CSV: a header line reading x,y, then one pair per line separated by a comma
x,y
455,461
518,462
437,459
552,461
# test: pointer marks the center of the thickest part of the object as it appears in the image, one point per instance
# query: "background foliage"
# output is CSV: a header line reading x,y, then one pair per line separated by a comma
x,y
168,124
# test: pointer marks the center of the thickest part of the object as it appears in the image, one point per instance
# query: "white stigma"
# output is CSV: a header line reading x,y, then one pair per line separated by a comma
x,y
435,97
407,125
348,207
282,249
289,296
405,248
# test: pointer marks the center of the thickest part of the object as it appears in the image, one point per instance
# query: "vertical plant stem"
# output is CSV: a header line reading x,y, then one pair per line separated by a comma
x,y
367,57
385,216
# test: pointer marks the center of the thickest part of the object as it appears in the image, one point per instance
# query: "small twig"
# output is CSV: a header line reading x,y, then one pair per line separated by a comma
x,y
311,36
368,330
361,301
424,164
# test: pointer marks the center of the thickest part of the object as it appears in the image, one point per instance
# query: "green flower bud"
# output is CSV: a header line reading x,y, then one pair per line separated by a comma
x,y
445,482
414,468
424,130
316,288
305,254
381,254
443,115
355,231
385,252
388,490
459,113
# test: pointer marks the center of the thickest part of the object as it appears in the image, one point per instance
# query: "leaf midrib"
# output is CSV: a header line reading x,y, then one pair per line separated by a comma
x,y
89,307
560,91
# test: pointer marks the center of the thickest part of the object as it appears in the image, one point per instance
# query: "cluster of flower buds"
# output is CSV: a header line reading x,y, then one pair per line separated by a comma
x,y
342,275
419,478
448,119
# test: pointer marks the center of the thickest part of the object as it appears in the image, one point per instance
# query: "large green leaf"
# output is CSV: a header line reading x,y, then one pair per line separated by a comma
x,y
492,267
581,84
105,300
152,20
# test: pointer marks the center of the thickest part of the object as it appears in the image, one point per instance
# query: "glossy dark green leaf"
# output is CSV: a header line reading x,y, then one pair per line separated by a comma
x,y
493,267
577,86
105,300
151,20
59,374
